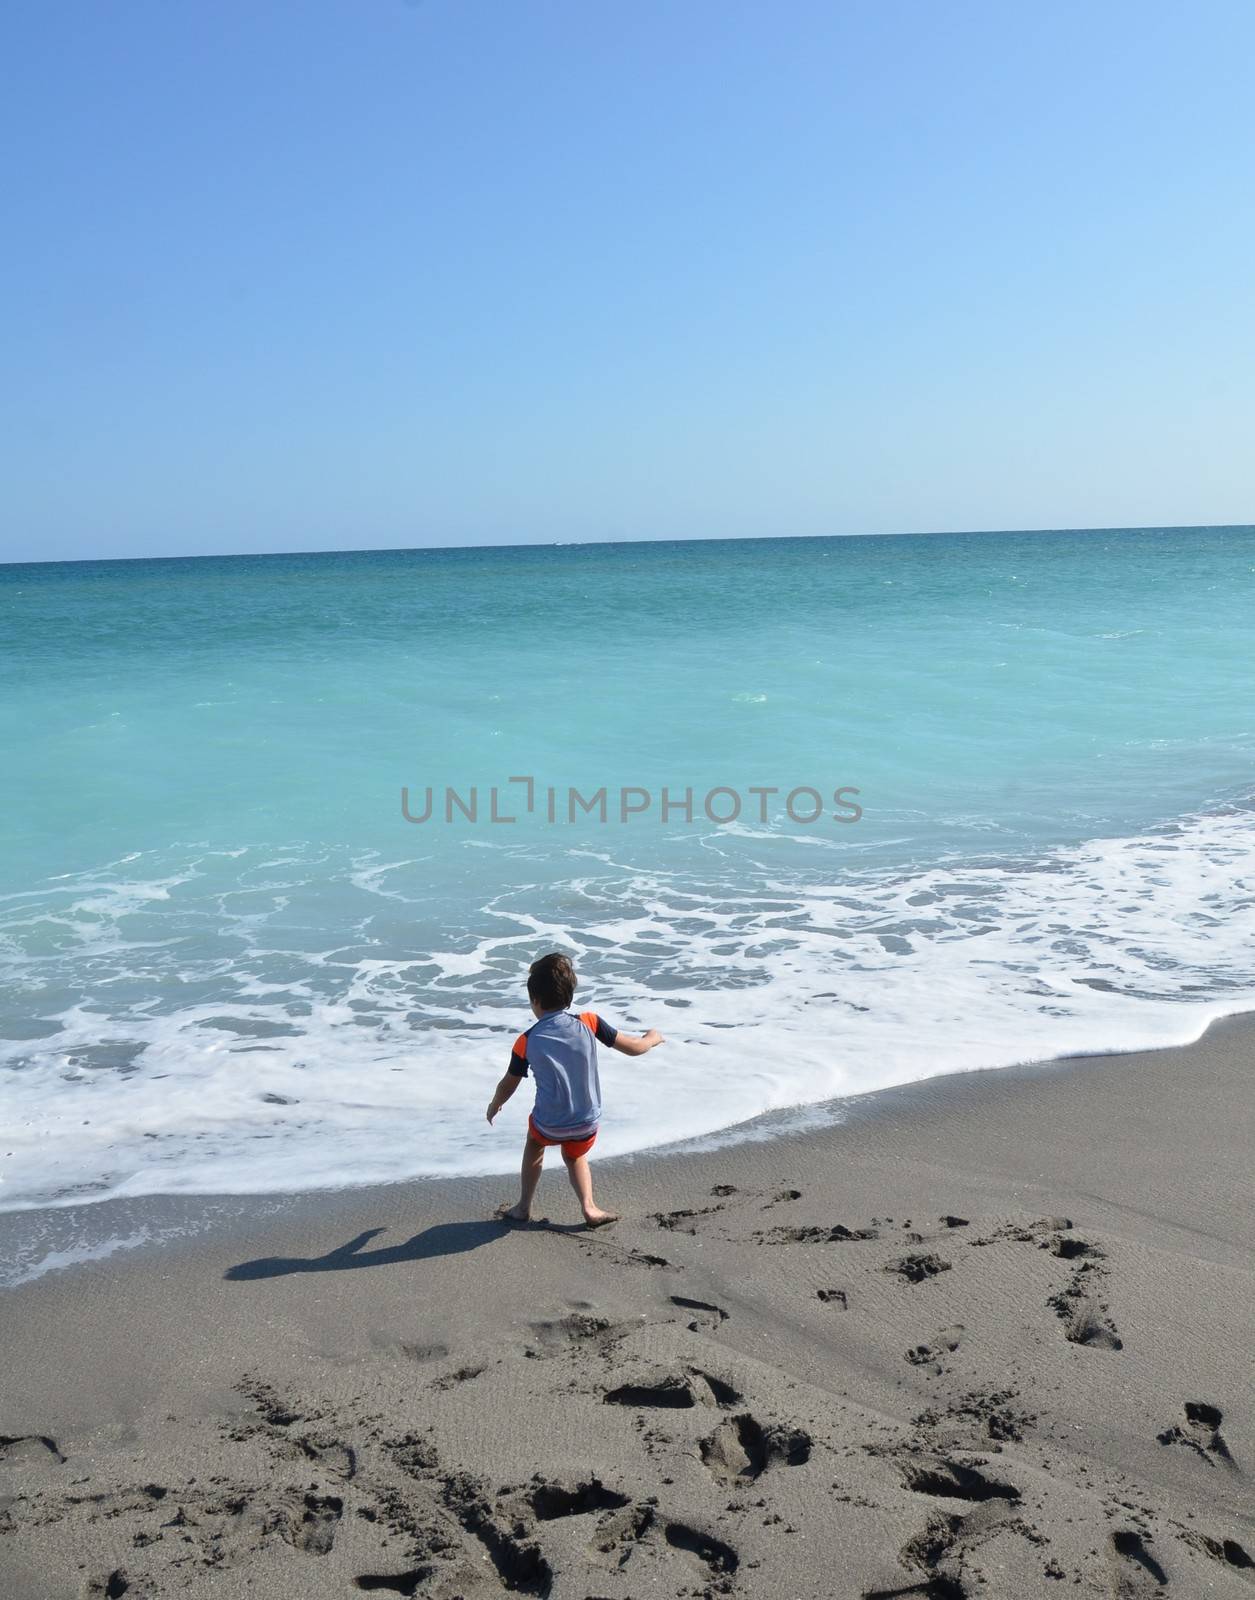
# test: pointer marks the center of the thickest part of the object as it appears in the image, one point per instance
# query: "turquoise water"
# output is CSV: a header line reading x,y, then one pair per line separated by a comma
x,y
228,963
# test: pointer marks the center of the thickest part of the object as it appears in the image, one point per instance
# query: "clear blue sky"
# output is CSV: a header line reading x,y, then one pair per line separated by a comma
x,y
306,274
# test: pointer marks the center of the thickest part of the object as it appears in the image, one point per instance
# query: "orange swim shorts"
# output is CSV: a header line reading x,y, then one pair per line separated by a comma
x,y
572,1149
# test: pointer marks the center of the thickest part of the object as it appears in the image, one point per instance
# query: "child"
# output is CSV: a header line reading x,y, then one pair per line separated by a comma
x,y
562,1055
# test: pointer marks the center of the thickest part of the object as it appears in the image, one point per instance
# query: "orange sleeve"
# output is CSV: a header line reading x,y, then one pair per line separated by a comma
x,y
518,1057
599,1027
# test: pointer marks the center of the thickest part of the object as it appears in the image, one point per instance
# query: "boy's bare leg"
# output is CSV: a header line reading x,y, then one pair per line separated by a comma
x,y
529,1177
581,1176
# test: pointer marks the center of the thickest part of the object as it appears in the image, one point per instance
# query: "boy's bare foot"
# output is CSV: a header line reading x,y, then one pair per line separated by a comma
x,y
512,1213
599,1219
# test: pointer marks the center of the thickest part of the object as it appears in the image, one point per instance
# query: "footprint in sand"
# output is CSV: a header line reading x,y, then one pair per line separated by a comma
x,y
1226,1551
708,1316
720,1391
312,1528
562,1333
1136,1570
1201,1432
938,1553
948,1479
550,1501
616,1535
1088,1324
1085,1317
623,1534
741,1449
402,1583
1072,1249
915,1268
932,1553
32,1449
933,1355
676,1393
668,1394
111,1587
987,1414
337,1459
498,1539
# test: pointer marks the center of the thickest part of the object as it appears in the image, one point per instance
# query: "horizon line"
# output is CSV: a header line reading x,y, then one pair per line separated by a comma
x,y
583,544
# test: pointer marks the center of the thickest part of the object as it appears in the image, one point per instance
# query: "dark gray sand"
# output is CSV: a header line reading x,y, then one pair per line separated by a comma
x,y
993,1337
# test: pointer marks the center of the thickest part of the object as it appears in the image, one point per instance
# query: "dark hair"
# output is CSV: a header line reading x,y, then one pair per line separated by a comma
x,y
551,982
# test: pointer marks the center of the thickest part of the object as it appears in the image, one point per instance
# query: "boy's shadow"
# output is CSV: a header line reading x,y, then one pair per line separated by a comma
x,y
441,1239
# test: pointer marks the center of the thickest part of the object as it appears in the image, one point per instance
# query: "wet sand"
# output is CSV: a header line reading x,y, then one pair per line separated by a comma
x,y
990,1337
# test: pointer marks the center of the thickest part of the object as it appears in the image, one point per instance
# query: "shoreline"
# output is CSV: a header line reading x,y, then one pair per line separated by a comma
x,y
988,1334
138,1228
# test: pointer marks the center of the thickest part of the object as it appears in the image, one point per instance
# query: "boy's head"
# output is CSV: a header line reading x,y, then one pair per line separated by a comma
x,y
551,983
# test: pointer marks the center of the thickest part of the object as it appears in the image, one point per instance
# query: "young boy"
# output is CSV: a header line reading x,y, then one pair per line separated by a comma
x,y
561,1051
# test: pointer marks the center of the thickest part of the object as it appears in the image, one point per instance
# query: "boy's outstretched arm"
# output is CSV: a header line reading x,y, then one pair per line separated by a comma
x,y
509,1083
629,1045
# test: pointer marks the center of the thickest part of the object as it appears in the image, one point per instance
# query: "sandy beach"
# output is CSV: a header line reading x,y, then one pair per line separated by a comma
x,y
540,531
992,1336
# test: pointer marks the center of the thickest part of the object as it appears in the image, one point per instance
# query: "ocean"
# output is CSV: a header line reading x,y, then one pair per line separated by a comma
x,y
932,802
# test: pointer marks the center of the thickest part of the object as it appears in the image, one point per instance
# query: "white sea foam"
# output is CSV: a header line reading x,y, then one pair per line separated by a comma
x,y
270,1057
38,1266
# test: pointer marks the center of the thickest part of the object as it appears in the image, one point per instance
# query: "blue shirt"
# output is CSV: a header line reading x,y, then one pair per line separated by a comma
x,y
561,1052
